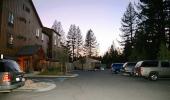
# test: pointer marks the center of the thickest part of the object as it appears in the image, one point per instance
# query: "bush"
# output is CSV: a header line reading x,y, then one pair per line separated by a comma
x,y
164,53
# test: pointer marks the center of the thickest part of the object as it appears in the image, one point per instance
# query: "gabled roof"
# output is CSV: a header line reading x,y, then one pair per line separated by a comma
x,y
39,20
89,60
92,60
49,31
29,50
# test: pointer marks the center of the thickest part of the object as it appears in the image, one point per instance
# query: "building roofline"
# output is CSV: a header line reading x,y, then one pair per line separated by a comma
x,y
51,30
36,13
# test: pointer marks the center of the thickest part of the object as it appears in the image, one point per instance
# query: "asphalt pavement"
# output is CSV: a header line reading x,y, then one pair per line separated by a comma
x,y
99,85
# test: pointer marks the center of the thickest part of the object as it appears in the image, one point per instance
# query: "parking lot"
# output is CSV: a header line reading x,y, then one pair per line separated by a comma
x,y
99,85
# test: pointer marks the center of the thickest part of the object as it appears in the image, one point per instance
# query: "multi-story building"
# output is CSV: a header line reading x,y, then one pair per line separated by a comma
x,y
54,42
21,35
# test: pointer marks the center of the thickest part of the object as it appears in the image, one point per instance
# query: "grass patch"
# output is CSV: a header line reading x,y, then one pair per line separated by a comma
x,y
52,71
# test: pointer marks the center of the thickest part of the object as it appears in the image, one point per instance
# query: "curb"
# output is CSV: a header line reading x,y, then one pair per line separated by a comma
x,y
24,90
53,76
52,86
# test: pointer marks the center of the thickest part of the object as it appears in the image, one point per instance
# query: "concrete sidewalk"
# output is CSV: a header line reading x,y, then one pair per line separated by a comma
x,y
30,85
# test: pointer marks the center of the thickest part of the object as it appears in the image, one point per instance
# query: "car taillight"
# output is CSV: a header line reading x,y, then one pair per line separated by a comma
x,y
140,71
6,77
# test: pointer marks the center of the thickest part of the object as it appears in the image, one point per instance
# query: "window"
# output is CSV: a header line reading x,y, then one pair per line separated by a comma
x,y
165,64
138,64
55,35
59,44
150,64
26,8
37,32
11,66
42,37
11,19
55,42
131,64
2,69
55,39
23,19
10,39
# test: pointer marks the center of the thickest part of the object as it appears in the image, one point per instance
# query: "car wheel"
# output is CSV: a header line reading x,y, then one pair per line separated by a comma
x,y
153,76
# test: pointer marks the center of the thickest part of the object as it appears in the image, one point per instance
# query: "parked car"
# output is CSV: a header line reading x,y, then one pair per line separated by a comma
x,y
116,67
102,68
152,69
128,68
11,77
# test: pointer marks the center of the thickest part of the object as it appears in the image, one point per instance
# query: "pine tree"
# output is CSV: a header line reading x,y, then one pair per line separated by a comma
x,y
58,28
71,40
164,53
79,43
90,44
167,21
152,20
128,29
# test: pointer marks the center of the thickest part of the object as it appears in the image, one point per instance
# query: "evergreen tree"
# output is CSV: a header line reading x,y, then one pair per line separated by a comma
x,y
128,29
164,53
167,21
68,46
90,44
152,20
106,59
71,40
58,28
112,56
74,42
79,43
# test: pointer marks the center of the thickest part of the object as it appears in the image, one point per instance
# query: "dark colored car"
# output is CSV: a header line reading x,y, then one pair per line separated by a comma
x,y
129,67
116,67
11,77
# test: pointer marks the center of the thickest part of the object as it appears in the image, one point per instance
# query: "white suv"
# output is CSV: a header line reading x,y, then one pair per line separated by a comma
x,y
152,69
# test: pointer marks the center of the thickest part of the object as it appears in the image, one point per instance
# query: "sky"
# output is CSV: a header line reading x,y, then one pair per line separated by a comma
x,y
102,16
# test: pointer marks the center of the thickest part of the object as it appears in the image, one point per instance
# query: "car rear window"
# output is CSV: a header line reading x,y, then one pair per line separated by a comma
x,y
131,64
150,64
117,65
2,69
9,66
138,64
165,64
